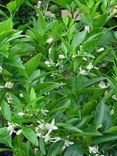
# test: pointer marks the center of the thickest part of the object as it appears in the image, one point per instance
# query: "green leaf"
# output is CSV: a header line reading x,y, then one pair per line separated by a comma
x,y
12,6
70,128
47,86
32,64
32,94
74,150
55,148
99,115
5,109
6,25
62,3
42,146
105,138
15,62
112,130
78,38
30,135
5,138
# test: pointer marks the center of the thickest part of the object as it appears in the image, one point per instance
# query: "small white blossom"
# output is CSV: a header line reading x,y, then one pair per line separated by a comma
x,y
44,112
50,49
21,114
73,56
61,56
103,85
84,58
101,49
87,28
48,63
67,144
89,66
46,137
93,150
50,40
1,69
0,108
82,72
55,139
112,111
21,95
9,98
11,128
36,150
51,126
80,47
19,132
114,97
8,85
38,4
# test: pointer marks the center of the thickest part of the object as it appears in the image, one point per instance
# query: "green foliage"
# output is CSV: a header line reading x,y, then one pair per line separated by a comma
x,y
58,76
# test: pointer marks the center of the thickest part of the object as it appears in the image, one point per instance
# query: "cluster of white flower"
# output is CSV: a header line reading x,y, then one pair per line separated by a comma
x,y
88,68
49,63
11,128
103,85
44,130
8,85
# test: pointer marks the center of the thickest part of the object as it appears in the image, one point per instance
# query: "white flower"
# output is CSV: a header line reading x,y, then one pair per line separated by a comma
x,y
1,70
80,48
67,144
18,132
8,85
38,134
51,126
0,108
50,49
84,58
41,125
36,150
87,28
38,4
73,56
11,128
49,40
44,112
21,114
89,66
112,111
101,49
103,85
9,98
21,95
93,150
82,72
114,97
61,56
55,139
46,137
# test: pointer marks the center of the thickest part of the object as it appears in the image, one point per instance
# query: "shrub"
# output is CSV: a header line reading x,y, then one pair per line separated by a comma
x,y
58,80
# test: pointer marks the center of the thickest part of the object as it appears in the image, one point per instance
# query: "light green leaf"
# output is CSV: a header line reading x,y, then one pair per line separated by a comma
x,y
55,148
5,109
30,135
